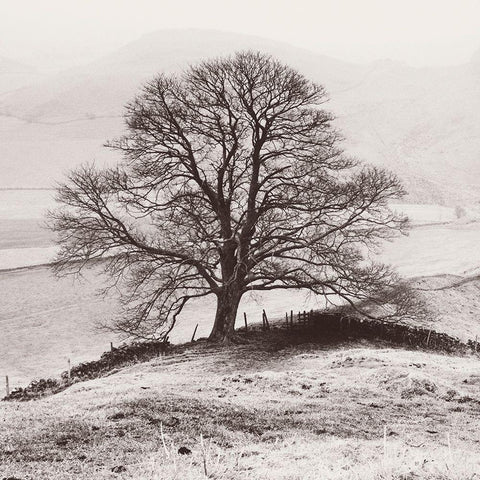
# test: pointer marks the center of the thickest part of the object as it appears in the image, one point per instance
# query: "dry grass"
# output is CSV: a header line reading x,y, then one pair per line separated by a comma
x,y
263,410
455,302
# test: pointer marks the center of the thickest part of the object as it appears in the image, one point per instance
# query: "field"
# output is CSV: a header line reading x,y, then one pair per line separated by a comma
x,y
273,407
45,321
269,408
24,240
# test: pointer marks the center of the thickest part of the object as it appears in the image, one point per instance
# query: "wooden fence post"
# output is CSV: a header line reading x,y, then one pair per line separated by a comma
x,y
286,318
111,346
245,319
291,318
194,332
7,385
265,320
69,371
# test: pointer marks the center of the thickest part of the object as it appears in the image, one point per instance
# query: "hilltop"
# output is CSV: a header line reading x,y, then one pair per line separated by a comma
x,y
40,331
265,409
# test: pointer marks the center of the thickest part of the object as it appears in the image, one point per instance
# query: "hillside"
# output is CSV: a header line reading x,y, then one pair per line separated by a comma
x,y
101,88
58,319
267,409
40,330
455,301
420,122
14,75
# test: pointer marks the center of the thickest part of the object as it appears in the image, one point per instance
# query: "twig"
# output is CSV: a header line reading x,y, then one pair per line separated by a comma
x,y
449,448
385,444
204,456
167,453
415,446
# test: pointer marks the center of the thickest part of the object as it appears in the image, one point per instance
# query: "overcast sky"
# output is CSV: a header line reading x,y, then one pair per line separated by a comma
x,y
61,33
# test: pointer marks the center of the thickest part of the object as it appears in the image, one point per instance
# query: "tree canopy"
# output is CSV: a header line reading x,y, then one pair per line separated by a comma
x,y
232,179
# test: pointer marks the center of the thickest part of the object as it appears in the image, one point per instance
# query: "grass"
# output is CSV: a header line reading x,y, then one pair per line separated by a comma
x,y
268,409
332,329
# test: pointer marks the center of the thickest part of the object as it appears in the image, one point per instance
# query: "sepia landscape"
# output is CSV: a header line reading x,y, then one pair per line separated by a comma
x,y
225,255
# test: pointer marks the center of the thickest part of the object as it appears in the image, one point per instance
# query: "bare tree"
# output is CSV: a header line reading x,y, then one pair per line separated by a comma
x,y
232,180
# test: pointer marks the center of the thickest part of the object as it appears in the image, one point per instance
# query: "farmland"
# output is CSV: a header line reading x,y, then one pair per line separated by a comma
x,y
46,320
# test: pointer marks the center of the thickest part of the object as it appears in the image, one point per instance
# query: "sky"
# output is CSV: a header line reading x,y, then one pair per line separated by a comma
x,y
62,33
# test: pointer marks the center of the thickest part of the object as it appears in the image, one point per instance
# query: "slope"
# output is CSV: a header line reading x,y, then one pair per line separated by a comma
x,y
269,409
420,122
14,75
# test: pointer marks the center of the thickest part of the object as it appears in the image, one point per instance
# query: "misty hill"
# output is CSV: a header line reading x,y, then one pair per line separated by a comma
x,y
9,66
104,86
14,75
420,122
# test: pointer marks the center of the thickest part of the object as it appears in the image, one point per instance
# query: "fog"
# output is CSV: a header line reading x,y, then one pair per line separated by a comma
x,y
55,34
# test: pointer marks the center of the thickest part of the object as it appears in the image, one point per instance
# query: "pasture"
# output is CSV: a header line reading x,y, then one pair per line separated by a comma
x,y
266,409
44,320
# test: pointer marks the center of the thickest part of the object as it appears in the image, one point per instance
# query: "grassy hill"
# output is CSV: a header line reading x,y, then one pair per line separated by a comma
x,y
455,301
271,408
57,319
45,321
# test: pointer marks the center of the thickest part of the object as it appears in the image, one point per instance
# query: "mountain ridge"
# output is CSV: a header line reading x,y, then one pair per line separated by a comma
x,y
419,122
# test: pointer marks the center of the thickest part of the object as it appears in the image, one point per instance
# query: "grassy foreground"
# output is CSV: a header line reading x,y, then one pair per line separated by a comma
x,y
266,409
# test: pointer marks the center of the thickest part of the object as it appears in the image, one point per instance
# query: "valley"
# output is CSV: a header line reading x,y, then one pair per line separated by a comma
x,y
46,320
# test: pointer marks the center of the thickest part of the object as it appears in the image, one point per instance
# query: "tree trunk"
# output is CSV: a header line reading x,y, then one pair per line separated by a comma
x,y
227,305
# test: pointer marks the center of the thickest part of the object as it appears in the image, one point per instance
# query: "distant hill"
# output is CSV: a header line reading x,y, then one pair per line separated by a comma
x,y
14,75
104,86
10,66
420,122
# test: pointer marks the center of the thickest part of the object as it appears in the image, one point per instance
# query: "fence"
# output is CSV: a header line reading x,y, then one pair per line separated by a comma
x,y
337,325
115,358
317,324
